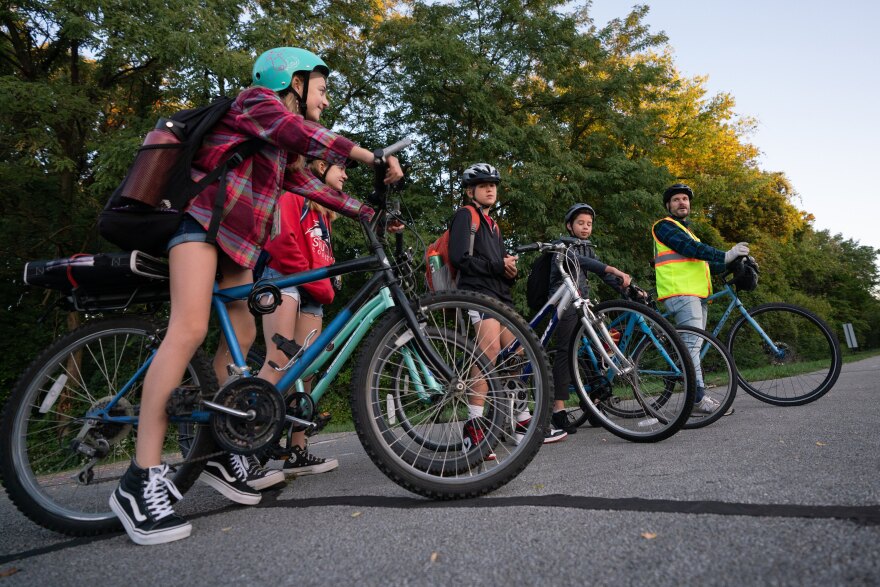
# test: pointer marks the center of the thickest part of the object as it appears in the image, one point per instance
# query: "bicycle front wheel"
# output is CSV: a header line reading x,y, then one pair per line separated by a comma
x,y
653,400
418,428
802,364
59,467
715,373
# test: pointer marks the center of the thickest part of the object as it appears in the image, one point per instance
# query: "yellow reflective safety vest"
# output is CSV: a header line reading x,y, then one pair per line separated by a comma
x,y
678,275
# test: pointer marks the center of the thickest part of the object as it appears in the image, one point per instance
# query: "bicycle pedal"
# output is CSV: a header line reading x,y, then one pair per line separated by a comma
x,y
320,421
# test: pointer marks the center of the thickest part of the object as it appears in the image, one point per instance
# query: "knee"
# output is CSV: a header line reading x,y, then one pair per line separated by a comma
x,y
186,335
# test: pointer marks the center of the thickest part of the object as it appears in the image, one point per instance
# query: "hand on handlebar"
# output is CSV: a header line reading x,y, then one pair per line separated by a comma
x,y
736,251
366,213
393,172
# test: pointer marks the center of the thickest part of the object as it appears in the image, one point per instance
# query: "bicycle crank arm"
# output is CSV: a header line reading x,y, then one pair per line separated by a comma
x,y
300,422
249,415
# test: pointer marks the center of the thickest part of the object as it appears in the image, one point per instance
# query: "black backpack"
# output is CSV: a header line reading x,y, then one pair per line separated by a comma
x,y
538,283
146,209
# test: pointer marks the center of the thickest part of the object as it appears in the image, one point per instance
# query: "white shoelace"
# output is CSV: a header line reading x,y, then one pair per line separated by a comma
x,y
157,490
239,464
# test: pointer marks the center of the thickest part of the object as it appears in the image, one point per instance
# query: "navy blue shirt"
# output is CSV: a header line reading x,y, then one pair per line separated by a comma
x,y
682,243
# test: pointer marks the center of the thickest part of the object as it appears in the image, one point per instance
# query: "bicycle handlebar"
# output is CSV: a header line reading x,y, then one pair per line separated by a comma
x,y
544,247
380,154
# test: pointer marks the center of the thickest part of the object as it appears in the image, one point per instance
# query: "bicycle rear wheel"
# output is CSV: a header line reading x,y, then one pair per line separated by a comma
x,y
414,430
654,400
716,370
46,437
805,365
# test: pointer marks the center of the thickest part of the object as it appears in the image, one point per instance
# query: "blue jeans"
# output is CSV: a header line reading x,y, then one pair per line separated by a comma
x,y
690,311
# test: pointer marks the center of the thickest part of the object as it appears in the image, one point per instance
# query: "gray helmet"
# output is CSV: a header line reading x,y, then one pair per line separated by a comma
x,y
480,173
573,211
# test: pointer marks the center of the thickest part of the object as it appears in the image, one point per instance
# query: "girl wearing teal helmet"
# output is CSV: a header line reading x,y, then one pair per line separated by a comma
x,y
142,500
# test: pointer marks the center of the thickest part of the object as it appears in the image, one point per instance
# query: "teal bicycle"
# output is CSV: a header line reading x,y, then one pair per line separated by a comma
x,y
68,430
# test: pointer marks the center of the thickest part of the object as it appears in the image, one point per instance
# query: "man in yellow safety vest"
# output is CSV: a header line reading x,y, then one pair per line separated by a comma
x,y
683,267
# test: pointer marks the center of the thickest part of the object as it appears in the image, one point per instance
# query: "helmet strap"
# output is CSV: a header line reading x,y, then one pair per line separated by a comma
x,y
301,100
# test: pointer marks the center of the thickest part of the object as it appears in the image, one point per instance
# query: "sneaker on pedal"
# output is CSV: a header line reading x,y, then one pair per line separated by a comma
x,y
706,406
301,462
143,505
473,432
560,421
228,474
261,478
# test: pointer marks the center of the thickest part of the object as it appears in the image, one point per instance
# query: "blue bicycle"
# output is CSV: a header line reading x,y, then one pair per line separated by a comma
x,y
784,354
69,428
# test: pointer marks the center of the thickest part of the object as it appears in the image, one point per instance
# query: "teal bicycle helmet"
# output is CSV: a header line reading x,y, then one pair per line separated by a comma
x,y
275,69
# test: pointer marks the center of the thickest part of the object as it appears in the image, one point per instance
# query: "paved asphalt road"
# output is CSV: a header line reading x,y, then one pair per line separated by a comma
x,y
770,496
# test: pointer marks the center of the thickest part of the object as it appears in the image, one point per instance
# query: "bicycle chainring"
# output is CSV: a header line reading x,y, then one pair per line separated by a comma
x,y
263,426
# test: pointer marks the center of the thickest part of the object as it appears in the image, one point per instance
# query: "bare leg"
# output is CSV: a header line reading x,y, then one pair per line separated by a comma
x,y
242,321
491,338
192,267
282,321
304,326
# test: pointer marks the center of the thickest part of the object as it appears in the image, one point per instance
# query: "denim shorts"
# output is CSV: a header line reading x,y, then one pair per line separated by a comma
x,y
307,304
189,231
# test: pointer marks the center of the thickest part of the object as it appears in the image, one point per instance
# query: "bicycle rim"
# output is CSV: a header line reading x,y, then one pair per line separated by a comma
x,y
805,364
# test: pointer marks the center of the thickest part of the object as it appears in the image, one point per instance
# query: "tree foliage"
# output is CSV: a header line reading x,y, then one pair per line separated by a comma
x,y
568,111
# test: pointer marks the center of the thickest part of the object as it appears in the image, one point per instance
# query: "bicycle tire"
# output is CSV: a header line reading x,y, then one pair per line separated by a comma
x,y
810,362
441,469
92,363
655,400
718,373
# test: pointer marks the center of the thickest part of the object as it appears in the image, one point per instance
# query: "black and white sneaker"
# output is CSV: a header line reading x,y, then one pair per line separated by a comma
x,y
228,474
261,478
142,504
302,462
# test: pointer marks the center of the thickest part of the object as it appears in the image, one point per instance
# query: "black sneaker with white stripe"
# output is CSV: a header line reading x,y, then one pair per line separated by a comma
x,y
228,474
143,505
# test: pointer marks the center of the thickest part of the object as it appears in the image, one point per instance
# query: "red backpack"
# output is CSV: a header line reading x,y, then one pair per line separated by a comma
x,y
439,272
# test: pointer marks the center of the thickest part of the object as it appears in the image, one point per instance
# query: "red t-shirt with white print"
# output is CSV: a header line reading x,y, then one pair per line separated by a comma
x,y
300,241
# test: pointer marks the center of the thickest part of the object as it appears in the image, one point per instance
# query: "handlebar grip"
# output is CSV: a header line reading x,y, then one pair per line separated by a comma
x,y
392,149
527,248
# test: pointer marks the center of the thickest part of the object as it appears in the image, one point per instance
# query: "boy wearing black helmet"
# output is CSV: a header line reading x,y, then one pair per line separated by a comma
x,y
683,266
579,224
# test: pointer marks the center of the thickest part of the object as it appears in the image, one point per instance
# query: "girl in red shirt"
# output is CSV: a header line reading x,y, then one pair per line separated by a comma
x,y
301,241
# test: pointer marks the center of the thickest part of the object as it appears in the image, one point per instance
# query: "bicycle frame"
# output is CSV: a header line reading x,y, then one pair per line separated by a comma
x,y
736,304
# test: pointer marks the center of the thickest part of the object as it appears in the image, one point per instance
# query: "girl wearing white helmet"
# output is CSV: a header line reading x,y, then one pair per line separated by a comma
x,y
271,110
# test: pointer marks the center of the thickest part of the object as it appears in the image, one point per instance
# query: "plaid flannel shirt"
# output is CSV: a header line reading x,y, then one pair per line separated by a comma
x,y
305,184
253,187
